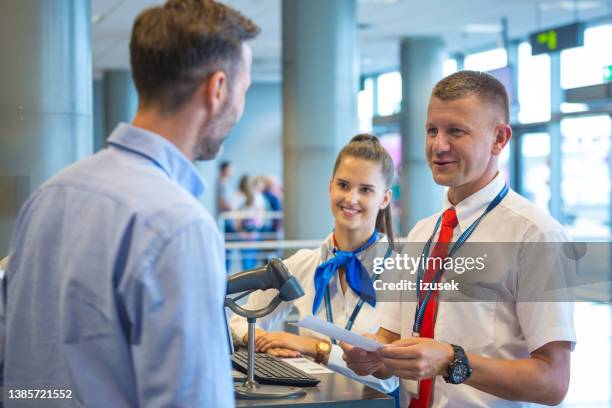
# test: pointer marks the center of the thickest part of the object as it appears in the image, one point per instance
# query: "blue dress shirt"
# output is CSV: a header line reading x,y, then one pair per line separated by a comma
x,y
116,283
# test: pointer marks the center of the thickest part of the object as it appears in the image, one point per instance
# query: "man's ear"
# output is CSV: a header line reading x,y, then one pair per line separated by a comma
x,y
214,91
503,133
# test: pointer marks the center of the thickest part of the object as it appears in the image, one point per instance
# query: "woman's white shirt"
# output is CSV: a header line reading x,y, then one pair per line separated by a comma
x,y
239,202
303,265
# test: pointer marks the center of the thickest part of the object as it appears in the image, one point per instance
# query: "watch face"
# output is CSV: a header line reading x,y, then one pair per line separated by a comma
x,y
459,373
324,347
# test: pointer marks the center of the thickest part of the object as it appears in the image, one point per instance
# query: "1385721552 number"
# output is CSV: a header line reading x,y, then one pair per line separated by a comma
x,y
39,394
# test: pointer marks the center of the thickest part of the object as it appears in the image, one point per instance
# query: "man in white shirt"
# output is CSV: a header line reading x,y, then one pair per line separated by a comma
x,y
483,354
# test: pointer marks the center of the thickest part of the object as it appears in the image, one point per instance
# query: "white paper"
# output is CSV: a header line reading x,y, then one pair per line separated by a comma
x,y
338,333
307,366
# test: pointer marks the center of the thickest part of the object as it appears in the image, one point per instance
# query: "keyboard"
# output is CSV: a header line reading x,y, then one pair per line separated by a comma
x,y
271,370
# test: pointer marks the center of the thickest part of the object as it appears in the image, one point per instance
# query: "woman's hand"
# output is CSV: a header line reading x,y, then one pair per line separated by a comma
x,y
283,352
362,362
258,333
275,340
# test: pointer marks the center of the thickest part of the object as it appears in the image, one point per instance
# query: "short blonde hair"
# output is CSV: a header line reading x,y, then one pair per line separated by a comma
x,y
484,86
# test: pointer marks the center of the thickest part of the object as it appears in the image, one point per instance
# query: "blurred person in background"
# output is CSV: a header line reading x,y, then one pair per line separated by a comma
x,y
223,205
222,193
249,201
272,194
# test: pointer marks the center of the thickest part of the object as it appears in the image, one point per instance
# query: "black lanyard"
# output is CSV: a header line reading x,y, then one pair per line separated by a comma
x,y
422,305
356,310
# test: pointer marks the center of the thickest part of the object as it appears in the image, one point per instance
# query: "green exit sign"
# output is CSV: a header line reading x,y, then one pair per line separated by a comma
x,y
557,39
608,73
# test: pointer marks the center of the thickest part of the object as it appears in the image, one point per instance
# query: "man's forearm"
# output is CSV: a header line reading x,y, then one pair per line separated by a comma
x,y
530,379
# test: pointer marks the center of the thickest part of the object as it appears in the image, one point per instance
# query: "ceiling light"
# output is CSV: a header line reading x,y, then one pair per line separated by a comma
x,y
569,5
482,28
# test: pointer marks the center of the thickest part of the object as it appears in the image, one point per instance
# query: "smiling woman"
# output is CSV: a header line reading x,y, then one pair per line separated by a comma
x,y
360,189
337,286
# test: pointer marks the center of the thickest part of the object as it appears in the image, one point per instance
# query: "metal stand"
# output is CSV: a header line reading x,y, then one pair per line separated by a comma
x,y
251,389
273,276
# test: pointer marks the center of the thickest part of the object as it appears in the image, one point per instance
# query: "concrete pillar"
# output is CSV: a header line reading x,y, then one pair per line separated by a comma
x,y
99,125
320,82
45,103
421,60
120,99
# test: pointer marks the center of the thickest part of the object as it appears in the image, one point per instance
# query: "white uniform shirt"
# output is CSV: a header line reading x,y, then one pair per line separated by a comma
x,y
302,265
505,330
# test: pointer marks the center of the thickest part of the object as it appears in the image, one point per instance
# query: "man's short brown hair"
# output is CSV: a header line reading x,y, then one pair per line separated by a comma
x,y
485,86
176,46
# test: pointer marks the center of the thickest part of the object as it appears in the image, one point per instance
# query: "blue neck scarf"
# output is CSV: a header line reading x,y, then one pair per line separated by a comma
x,y
357,277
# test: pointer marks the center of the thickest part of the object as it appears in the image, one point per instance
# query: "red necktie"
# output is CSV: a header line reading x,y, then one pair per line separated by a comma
x,y
440,250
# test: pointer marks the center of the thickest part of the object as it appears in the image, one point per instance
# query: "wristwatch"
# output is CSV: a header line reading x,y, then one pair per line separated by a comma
x,y
322,349
459,370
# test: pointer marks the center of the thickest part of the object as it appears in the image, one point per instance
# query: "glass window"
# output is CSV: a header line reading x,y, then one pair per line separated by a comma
x,y
535,168
585,65
389,93
567,107
365,106
585,186
533,85
392,142
449,67
504,162
487,60
591,370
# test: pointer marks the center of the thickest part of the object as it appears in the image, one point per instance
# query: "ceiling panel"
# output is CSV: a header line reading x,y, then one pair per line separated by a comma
x,y
385,23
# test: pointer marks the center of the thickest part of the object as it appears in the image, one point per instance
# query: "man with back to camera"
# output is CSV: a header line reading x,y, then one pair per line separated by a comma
x,y
501,351
116,280
222,193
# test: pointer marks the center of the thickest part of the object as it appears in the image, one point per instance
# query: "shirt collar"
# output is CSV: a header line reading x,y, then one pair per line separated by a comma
x,y
327,248
160,151
471,207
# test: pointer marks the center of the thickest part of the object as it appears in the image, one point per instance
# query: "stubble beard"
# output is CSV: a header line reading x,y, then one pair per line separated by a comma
x,y
214,135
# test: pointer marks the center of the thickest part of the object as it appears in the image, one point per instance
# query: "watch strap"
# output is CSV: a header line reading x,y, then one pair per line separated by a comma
x,y
459,357
322,350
